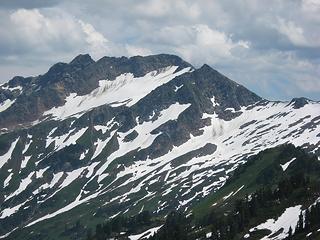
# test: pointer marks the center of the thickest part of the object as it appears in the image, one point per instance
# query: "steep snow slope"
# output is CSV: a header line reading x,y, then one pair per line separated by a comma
x,y
124,90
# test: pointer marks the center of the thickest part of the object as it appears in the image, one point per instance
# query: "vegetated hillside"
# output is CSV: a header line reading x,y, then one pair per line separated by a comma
x,y
265,196
89,141
275,195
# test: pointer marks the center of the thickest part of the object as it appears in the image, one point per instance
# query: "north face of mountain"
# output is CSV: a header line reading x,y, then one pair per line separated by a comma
x,y
29,98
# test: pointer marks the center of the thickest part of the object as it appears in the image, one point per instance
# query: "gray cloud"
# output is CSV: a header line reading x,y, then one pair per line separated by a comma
x,y
263,45
28,4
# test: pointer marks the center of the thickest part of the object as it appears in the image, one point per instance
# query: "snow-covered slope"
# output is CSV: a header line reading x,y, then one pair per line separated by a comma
x,y
124,90
159,141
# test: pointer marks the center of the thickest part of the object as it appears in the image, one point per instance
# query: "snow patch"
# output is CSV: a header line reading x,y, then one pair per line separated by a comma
x,y
7,180
145,235
6,104
23,185
83,154
214,102
4,158
100,145
66,139
25,161
178,87
289,218
9,211
286,165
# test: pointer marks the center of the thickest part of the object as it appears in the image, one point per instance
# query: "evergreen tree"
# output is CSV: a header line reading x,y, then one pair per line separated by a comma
x,y
107,229
290,233
99,232
176,227
89,234
307,222
299,227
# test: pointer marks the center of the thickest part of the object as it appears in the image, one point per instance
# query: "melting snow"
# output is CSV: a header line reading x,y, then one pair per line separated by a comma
x,y
12,88
145,234
66,139
71,176
286,165
177,88
103,128
229,195
144,139
4,158
243,135
100,145
9,211
39,173
23,185
6,104
26,147
7,180
56,177
83,154
124,90
214,102
7,234
25,161
238,190
289,218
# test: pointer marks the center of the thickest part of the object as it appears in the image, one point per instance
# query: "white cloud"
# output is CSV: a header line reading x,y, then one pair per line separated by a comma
x,y
137,51
44,33
97,42
207,45
293,32
28,20
153,8
55,32
192,9
37,38
219,41
160,8
311,6
197,43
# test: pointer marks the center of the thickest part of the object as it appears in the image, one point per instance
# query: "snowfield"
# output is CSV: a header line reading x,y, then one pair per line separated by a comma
x,y
124,90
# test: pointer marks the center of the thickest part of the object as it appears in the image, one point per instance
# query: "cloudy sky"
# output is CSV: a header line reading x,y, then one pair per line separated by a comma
x,y
272,47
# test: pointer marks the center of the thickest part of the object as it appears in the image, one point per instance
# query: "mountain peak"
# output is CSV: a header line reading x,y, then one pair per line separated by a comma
x,y
161,56
82,60
206,66
299,102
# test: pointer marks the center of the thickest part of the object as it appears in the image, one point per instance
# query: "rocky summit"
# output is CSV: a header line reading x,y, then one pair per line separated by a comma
x,y
90,141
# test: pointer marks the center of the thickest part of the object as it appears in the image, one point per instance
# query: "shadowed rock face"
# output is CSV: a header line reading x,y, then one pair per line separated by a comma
x,y
80,76
299,102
